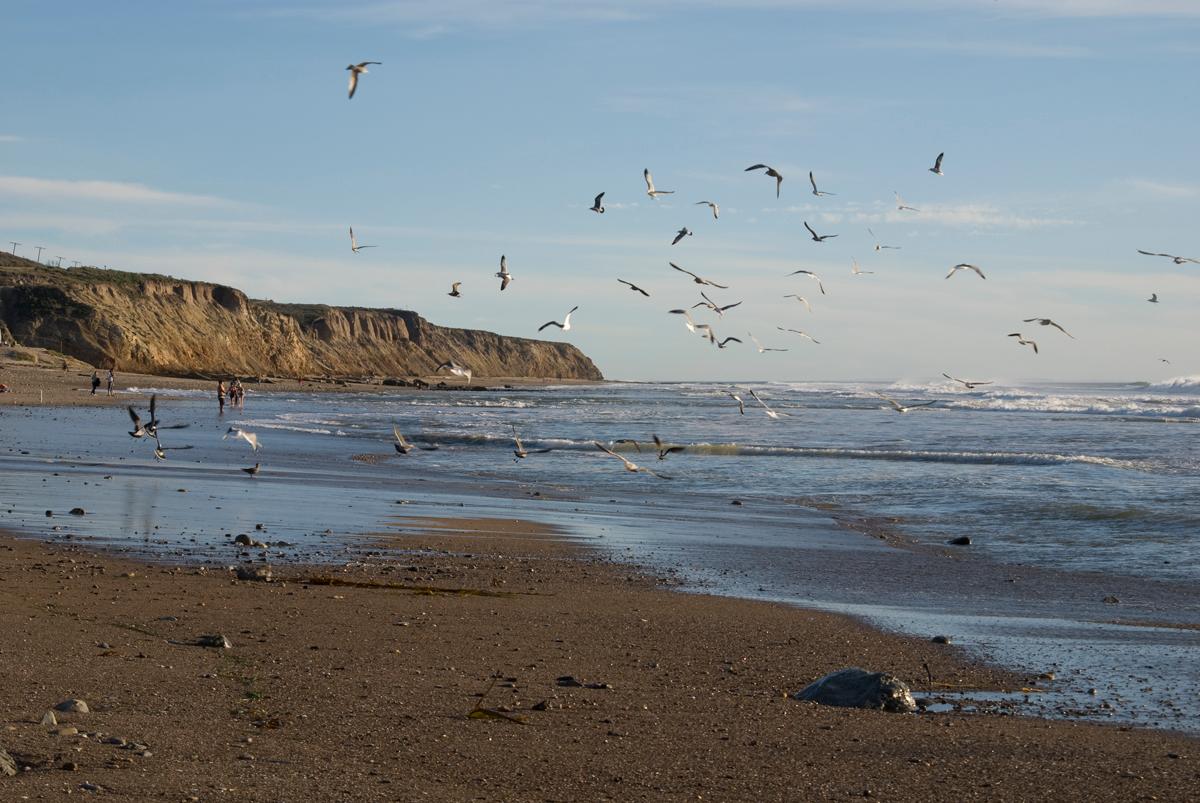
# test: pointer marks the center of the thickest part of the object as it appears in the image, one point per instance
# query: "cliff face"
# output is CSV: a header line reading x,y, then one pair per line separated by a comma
x,y
157,324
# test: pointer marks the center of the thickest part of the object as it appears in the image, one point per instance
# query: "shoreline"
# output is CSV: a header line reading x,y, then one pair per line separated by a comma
x,y
333,687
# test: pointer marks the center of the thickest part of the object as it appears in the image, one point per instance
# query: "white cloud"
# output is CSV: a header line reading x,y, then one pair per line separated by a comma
x,y
11,138
1164,189
107,191
981,47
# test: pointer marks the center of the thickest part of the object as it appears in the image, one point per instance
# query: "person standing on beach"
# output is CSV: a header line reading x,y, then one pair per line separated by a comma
x,y
221,395
111,379
95,382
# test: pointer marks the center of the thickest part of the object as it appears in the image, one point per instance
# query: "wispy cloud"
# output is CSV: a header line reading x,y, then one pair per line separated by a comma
x,y
1163,189
11,138
108,191
962,215
981,47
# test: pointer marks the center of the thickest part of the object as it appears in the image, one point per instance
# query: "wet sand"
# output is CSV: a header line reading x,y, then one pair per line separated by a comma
x,y
358,691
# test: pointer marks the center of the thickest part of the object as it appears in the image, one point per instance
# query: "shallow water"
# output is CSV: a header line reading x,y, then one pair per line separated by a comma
x,y
1076,491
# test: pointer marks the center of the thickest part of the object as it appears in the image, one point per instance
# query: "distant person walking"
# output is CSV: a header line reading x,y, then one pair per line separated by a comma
x,y
110,380
95,382
221,395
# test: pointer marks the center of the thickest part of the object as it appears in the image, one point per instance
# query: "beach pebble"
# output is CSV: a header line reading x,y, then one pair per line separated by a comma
x,y
49,719
962,540
262,573
214,640
73,706
569,681
67,731
117,740
940,639
70,766
78,511
8,765
858,688
49,513
1111,600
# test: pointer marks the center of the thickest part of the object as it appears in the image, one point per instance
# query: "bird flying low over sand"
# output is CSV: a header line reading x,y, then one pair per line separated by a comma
x,y
565,325
813,182
1153,299
902,408
634,287
969,385
357,70
937,165
520,451
597,206
965,266
663,449
629,464
1022,340
801,299
248,437
354,246
160,451
879,247
455,369
404,446
820,286
800,332
761,348
856,270
650,190
772,172
770,413
697,279
1048,322
817,238
454,290
900,205
716,210
503,275
1172,257
679,235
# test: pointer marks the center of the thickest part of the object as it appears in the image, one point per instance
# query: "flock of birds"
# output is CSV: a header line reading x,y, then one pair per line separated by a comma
x,y
403,446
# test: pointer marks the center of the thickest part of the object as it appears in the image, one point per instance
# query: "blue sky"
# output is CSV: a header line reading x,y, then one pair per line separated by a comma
x,y
214,140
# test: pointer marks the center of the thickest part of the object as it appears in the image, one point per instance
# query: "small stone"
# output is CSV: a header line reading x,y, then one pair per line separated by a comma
x,y
258,527
243,540
104,645
962,540
737,502
1111,599
49,719
89,787
117,740
215,640
67,731
940,639
70,766
1093,691
73,706
49,513
568,681
262,573
78,511
246,757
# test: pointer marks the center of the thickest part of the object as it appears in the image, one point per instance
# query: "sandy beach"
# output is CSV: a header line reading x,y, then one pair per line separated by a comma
x,y
359,682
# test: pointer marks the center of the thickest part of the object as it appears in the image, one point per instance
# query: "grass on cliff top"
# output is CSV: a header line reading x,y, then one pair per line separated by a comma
x,y
13,267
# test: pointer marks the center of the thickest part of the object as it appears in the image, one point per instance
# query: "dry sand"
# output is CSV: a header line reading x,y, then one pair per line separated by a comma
x,y
341,692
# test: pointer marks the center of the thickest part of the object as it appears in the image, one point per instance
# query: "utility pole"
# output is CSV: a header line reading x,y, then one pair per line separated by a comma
x,y
40,248
14,245
59,265
74,263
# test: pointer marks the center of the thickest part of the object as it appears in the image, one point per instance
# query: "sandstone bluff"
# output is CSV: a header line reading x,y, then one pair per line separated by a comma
x,y
161,325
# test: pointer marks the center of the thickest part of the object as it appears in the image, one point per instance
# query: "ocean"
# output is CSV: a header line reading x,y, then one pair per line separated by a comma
x,y
1081,501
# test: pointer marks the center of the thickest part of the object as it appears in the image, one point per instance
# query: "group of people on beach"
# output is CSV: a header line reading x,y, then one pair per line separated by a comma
x,y
235,392
110,380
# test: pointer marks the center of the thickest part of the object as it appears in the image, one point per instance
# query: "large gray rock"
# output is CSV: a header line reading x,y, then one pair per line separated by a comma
x,y
858,688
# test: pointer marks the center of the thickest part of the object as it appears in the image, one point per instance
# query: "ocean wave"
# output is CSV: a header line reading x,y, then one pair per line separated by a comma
x,y
1179,384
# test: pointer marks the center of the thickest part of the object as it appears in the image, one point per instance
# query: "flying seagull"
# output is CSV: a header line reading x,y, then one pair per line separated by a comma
x,y
965,266
1153,299
716,210
597,206
403,446
813,182
139,431
879,247
565,325
1172,257
354,246
708,302
969,385
253,470
722,343
937,165
248,437
688,322
813,275
653,193
902,408
801,299
454,290
697,279
900,205
801,333
160,451
760,347
520,451
771,413
629,464
663,451
856,270
772,172
817,238
503,275
1164,359
1048,322
679,235
456,370
355,71
634,287
1023,341
738,399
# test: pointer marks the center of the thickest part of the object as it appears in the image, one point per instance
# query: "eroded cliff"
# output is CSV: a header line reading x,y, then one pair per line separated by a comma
x,y
157,324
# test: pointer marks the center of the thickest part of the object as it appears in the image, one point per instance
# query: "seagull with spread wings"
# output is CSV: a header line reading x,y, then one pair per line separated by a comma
x,y
1048,322
679,235
503,275
248,437
738,399
630,466
814,276
597,206
565,325
1153,299
697,279
901,206
902,408
357,70
454,290
455,369
761,349
716,210
1024,341
817,238
634,287
937,165
354,246
968,384
815,191
1176,259
712,305
520,451
772,172
801,299
856,270
800,332
879,247
965,266
770,413
650,190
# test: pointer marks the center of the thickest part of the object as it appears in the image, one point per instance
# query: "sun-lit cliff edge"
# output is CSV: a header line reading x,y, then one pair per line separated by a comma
x,y
161,325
